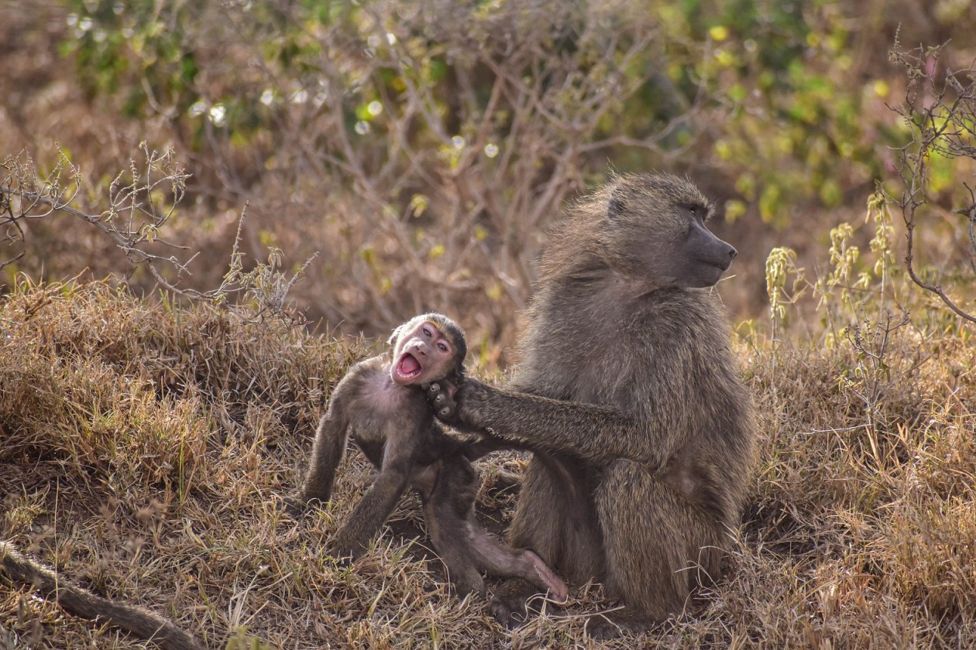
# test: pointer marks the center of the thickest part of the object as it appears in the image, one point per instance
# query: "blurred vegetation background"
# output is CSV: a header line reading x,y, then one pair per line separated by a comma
x,y
421,149
294,167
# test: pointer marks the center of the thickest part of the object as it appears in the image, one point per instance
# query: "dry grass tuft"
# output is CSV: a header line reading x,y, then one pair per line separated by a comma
x,y
145,448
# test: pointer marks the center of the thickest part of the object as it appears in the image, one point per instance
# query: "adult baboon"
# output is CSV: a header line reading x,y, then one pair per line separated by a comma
x,y
381,405
628,395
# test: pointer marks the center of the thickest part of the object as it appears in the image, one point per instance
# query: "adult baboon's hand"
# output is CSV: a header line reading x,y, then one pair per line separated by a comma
x,y
444,399
463,405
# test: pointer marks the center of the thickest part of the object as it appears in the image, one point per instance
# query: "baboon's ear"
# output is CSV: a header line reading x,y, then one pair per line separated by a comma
x,y
394,335
615,207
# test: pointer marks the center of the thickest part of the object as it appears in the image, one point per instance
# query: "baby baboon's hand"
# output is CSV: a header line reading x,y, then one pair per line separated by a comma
x,y
295,505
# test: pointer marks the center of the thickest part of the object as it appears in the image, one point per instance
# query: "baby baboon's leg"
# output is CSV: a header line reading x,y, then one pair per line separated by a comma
x,y
447,532
453,500
446,505
497,558
553,519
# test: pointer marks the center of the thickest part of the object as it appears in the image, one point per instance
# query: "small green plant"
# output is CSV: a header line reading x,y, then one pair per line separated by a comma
x,y
855,286
780,266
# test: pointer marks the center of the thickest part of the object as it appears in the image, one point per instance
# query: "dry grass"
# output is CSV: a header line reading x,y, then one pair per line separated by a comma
x,y
145,448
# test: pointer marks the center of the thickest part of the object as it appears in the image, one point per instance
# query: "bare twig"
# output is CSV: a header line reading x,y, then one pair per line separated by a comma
x,y
134,221
940,115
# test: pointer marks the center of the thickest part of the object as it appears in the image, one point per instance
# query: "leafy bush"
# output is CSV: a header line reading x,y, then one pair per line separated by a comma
x,y
422,149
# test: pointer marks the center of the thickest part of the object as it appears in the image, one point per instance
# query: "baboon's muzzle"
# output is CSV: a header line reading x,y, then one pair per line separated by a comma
x,y
704,247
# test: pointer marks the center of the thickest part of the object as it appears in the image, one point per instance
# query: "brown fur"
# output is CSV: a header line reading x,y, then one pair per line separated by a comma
x,y
81,602
630,398
394,426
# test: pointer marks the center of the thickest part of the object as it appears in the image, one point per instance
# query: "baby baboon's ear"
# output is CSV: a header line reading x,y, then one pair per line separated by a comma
x,y
394,335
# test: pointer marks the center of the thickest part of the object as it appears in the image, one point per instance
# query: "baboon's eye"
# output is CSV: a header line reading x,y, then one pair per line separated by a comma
x,y
442,346
426,331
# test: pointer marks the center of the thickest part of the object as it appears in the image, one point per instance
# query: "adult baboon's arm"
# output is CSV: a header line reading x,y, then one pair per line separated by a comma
x,y
596,433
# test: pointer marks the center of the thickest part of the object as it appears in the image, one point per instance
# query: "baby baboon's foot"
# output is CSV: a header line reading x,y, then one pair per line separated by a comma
x,y
558,590
296,505
468,583
509,612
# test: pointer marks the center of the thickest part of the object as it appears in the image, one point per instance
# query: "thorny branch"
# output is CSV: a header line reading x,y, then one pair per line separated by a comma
x,y
141,201
132,220
941,114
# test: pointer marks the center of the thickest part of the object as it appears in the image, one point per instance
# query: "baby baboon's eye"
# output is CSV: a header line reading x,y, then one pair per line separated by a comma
x,y
426,331
442,346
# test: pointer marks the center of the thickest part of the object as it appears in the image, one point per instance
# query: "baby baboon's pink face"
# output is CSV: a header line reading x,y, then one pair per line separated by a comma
x,y
422,353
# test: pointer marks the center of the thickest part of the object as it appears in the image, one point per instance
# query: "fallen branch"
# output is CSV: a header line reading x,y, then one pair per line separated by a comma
x,y
81,602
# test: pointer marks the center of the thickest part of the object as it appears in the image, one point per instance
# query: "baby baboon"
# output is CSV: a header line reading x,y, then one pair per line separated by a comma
x,y
381,405
630,398
81,602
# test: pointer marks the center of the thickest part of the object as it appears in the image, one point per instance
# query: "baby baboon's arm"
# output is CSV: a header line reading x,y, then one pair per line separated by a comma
x,y
596,433
378,502
333,433
330,445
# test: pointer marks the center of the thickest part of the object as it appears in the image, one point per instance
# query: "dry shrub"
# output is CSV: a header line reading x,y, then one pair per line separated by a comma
x,y
419,148
123,420
145,448
863,517
135,390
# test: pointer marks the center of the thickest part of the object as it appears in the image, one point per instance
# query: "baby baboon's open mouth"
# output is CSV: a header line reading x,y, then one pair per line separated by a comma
x,y
408,367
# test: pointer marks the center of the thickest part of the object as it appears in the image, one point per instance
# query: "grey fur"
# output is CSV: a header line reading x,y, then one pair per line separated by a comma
x,y
629,396
394,426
